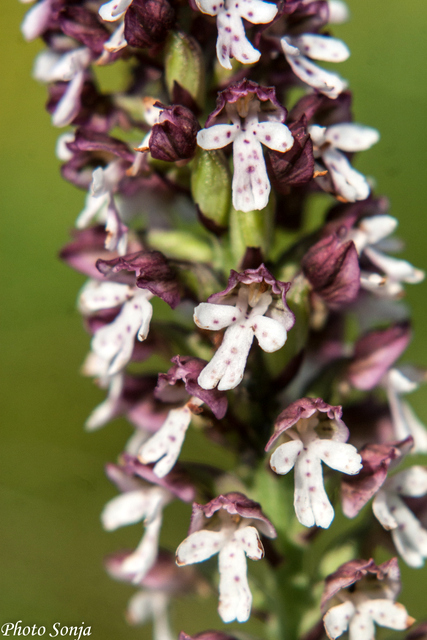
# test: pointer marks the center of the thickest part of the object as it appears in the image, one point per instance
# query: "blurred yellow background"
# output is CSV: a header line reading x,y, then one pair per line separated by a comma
x,y
52,486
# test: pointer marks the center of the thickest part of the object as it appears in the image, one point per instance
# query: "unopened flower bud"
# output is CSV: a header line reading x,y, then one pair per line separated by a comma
x,y
148,22
211,186
184,66
174,137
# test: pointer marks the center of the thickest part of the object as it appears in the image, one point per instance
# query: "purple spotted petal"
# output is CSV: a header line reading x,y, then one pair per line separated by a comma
x,y
236,504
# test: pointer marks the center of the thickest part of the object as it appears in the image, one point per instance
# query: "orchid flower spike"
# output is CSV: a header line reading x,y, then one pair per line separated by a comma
x,y
227,525
299,50
329,143
253,304
362,595
256,119
315,433
232,41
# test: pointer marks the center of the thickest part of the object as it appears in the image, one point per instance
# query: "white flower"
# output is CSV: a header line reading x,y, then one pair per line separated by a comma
x,y
359,614
243,321
66,67
329,142
308,446
114,11
369,238
165,445
251,186
298,50
232,41
130,507
113,343
409,536
235,539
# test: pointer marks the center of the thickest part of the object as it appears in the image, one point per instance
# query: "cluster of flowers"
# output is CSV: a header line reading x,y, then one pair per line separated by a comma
x,y
173,214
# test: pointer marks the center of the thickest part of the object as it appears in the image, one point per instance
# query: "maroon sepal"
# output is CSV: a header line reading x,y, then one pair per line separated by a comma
x,y
375,353
295,167
187,369
236,504
322,110
148,22
175,136
148,270
356,491
332,268
84,26
88,140
351,572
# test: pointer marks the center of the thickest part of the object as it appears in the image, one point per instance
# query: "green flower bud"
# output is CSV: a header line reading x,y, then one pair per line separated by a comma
x,y
184,68
211,186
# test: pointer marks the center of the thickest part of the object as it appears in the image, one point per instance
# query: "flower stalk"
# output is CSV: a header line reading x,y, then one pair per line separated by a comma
x,y
197,177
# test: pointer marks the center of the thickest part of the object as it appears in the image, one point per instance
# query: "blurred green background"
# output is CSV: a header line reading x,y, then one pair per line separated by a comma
x,y
52,486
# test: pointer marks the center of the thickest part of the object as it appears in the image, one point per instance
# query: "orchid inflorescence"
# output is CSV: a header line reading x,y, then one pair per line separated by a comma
x,y
196,179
